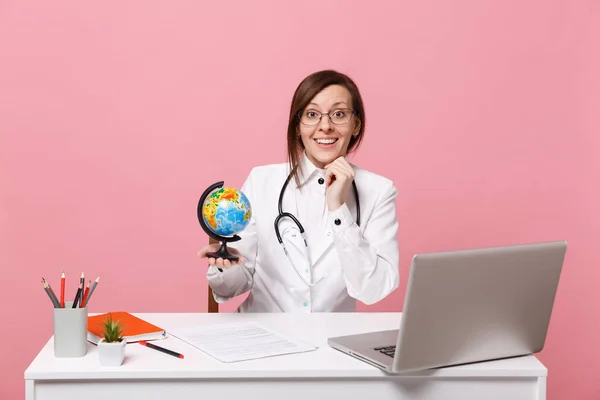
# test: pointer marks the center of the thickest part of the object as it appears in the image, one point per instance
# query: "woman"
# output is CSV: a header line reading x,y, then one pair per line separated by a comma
x,y
343,259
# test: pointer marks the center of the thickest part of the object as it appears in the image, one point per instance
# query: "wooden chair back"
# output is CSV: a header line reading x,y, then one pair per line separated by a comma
x,y
213,306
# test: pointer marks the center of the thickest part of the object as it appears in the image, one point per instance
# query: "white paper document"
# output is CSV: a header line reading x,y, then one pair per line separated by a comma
x,y
240,341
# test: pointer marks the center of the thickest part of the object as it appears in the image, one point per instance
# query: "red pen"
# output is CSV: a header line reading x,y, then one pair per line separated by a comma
x,y
162,349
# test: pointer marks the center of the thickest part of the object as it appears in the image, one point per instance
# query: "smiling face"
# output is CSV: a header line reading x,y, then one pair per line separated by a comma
x,y
326,140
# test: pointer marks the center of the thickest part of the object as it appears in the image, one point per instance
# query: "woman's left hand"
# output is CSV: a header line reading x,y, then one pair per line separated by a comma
x,y
339,176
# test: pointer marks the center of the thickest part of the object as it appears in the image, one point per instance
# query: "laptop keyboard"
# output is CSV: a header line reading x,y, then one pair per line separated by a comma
x,y
387,350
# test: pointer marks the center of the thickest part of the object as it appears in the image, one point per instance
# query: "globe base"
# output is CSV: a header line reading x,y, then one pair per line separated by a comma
x,y
223,253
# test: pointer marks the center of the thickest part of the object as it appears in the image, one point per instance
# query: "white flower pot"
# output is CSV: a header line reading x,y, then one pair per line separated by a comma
x,y
111,354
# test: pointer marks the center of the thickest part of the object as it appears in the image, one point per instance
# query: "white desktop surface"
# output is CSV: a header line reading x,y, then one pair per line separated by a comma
x,y
324,373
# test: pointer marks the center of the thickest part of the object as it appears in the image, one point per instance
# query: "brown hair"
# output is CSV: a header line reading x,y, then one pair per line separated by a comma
x,y
305,92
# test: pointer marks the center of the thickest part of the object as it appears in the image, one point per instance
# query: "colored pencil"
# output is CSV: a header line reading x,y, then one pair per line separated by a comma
x,y
85,294
161,349
79,291
51,292
92,291
62,290
53,299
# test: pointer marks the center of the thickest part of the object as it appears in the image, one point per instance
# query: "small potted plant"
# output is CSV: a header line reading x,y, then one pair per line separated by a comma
x,y
111,348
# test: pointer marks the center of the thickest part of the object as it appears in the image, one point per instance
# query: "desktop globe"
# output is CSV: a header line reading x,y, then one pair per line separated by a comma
x,y
223,213
226,211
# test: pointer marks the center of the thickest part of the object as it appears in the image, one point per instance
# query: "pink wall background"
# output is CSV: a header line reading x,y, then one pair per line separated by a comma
x,y
485,114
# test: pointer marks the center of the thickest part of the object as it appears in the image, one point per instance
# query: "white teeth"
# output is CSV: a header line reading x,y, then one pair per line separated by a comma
x,y
326,141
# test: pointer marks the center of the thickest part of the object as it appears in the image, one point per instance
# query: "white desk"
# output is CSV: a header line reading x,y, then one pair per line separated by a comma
x,y
323,374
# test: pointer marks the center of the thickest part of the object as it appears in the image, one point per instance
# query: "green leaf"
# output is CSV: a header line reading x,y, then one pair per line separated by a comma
x,y
112,330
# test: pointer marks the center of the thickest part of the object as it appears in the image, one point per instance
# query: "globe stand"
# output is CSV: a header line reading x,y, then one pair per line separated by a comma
x,y
223,252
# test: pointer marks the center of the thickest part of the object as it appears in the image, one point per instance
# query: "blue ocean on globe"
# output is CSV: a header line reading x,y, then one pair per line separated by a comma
x,y
227,212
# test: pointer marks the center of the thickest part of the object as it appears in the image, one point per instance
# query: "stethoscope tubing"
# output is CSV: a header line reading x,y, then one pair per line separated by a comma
x,y
291,216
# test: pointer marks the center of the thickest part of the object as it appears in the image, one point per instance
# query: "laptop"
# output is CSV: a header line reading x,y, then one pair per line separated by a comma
x,y
467,306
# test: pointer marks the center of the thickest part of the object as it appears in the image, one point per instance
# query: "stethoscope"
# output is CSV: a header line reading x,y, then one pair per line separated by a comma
x,y
301,228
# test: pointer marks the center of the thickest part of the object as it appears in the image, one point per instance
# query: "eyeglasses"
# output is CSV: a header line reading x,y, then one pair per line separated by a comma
x,y
339,116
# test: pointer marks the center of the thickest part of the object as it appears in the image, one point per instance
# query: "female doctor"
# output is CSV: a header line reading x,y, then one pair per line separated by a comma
x,y
316,242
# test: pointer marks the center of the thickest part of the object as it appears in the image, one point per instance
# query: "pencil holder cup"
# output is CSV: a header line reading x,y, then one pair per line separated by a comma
x,y
70,331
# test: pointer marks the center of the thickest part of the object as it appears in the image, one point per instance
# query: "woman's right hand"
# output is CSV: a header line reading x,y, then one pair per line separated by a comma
x,y
219,262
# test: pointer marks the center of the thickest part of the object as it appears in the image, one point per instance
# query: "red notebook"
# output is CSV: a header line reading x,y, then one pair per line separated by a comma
x,y
134,328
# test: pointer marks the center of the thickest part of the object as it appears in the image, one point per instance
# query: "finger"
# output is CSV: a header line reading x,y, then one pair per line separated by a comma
x,y
338,160
338,174
341,170
345,166
227,263
348,170
334,166
211,261
208,248
202,252
240,259
349,173
330,176
219,262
